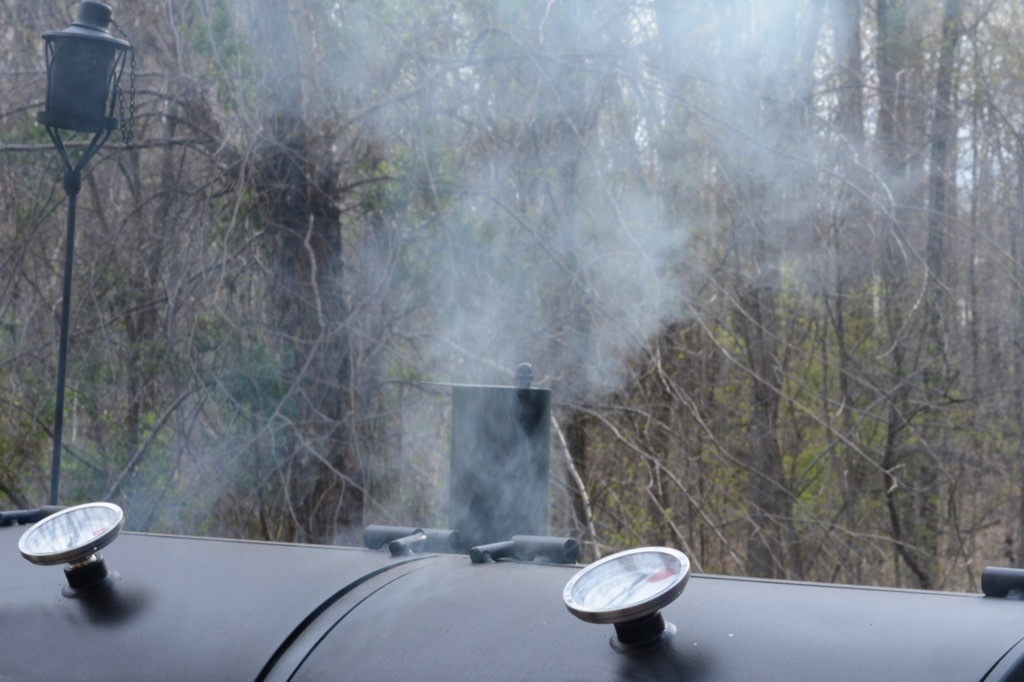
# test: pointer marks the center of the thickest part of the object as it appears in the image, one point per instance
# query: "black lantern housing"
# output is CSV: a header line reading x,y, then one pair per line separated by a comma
x,y
83,64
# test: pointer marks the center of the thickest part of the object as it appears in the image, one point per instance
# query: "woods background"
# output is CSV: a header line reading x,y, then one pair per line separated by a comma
x,y
767,254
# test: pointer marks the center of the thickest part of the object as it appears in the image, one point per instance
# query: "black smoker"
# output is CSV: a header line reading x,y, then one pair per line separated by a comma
x,y
499,460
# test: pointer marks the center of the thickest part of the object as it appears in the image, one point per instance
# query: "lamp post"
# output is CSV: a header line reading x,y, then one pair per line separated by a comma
x,y
83,66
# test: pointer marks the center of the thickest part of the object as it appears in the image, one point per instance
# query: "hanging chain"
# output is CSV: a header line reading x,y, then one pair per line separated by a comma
x,y
127,122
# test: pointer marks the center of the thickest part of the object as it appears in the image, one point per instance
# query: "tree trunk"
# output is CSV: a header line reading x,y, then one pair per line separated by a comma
x,y
907,464
297,193
768,503
850,223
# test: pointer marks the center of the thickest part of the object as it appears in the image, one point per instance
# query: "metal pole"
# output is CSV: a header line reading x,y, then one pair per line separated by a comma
x,y
62,353
72,186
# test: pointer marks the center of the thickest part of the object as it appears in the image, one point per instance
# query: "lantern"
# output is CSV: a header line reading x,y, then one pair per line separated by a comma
x,y
83,64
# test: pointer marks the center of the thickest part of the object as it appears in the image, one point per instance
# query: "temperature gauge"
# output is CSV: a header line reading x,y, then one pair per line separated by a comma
x,y
629,589
72,535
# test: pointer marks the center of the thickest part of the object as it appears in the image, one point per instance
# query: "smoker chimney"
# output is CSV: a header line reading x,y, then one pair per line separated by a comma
x,y
499,460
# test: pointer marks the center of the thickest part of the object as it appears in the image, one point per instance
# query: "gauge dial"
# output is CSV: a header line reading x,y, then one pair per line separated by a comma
x,y
627,586
73,534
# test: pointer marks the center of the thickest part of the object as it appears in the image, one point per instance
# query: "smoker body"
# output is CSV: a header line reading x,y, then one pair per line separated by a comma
x,y
187,608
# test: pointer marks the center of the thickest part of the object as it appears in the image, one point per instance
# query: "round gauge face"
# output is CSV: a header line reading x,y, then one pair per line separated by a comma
x,y
72,534
628,585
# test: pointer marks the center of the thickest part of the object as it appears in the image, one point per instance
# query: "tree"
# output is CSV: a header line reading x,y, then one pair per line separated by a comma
x,y
756,249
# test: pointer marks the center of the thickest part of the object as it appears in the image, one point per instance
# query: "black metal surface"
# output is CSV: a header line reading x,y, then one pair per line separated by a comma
x,y
455,620
1011,667
83,62
644,634
89,575
499,462
542,548
997,581
546,548
492,551
403,540
175,608
183,608
18,517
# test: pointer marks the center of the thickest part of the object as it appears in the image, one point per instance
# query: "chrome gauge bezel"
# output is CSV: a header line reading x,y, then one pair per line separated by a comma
x,y
73,534
625,572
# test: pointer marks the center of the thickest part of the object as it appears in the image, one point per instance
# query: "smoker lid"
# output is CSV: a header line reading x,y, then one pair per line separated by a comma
x,y
173,608
188,608
457,620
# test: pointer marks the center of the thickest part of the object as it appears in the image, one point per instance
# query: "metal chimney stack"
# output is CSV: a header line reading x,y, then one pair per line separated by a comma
x,y
499,460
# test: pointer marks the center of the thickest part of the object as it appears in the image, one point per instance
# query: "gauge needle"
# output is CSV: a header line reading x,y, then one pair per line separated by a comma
x,y
627,590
